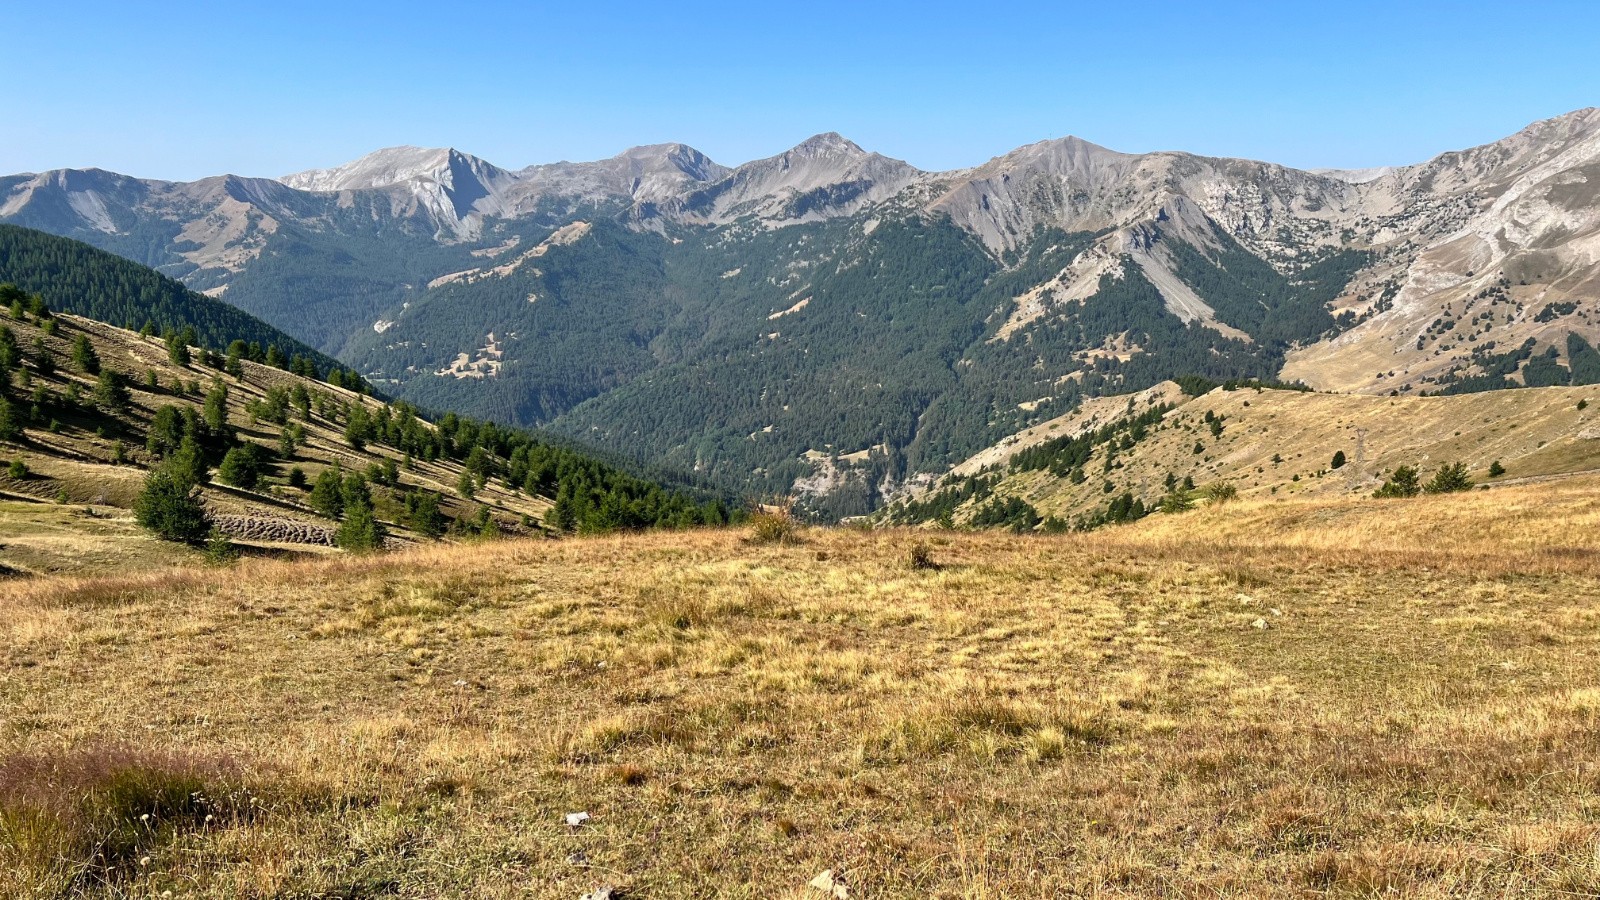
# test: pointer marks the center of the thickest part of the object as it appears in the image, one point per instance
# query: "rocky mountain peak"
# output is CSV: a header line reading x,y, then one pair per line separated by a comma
x,y
388,167
829,143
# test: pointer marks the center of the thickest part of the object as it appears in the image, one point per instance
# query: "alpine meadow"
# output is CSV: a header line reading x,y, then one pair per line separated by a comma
x,y
1082,522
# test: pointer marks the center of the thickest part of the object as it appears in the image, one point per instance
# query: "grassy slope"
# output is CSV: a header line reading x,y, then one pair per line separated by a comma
x,y
1534,432
75,462
1089,714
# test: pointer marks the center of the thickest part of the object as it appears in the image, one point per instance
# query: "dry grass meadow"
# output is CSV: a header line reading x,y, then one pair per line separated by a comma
x,y
1338,697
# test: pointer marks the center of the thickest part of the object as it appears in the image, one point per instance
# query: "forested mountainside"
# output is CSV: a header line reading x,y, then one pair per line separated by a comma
x,y
829,322
71,276
263,454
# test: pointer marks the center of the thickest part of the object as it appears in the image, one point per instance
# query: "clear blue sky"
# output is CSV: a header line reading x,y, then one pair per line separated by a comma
x,y
181,90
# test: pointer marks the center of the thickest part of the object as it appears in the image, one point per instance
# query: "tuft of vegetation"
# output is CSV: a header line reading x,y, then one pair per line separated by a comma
x,y
1403,482
87,820
773,526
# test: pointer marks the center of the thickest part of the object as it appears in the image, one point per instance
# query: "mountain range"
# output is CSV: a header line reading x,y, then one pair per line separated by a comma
x,y
832,322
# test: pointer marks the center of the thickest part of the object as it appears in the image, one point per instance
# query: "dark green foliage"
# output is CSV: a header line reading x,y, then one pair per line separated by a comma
x,y
274,407
297,478
18,470
1449,478
1175,500
1009,512
423,514
1403,482
1495,366
1583,360
216,408
169,505
1496,469
360,532
358,427
10,352
327,497
244,465
1126,508
84,359
111,391
355,492
1247,293
1338,460
178,351
74,277
220,550
190,461
43,362
11,421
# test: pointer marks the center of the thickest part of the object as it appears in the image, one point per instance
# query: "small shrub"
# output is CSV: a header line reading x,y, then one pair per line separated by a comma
x,y
1338,460
18,470
921,559
1496,470
220,550
768,527
1219,492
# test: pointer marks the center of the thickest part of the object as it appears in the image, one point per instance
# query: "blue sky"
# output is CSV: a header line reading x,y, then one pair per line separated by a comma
x,y
180,90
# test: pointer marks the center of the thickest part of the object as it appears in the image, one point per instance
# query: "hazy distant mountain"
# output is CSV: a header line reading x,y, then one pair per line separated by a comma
x,y
830,313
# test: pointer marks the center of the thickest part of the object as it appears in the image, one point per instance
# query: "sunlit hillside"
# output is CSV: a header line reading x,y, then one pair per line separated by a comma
x,y
1270,697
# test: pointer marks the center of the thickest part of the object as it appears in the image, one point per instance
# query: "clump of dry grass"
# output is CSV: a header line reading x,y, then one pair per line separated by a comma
x,y
87,818
773,526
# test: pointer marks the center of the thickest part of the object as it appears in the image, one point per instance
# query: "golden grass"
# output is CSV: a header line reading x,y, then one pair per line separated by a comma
x,y
1534,433
1089,715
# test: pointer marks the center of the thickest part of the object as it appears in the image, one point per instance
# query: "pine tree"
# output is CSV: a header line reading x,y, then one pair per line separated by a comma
x,y
422,511
190,461
170,506
42,360
10,353
178,351
10,421
361,532
327,495
1402,483
216,409
1450,477
243,466
84,359
111,391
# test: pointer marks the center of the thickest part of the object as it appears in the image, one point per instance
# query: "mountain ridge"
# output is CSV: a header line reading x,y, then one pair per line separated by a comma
x,y
594,295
